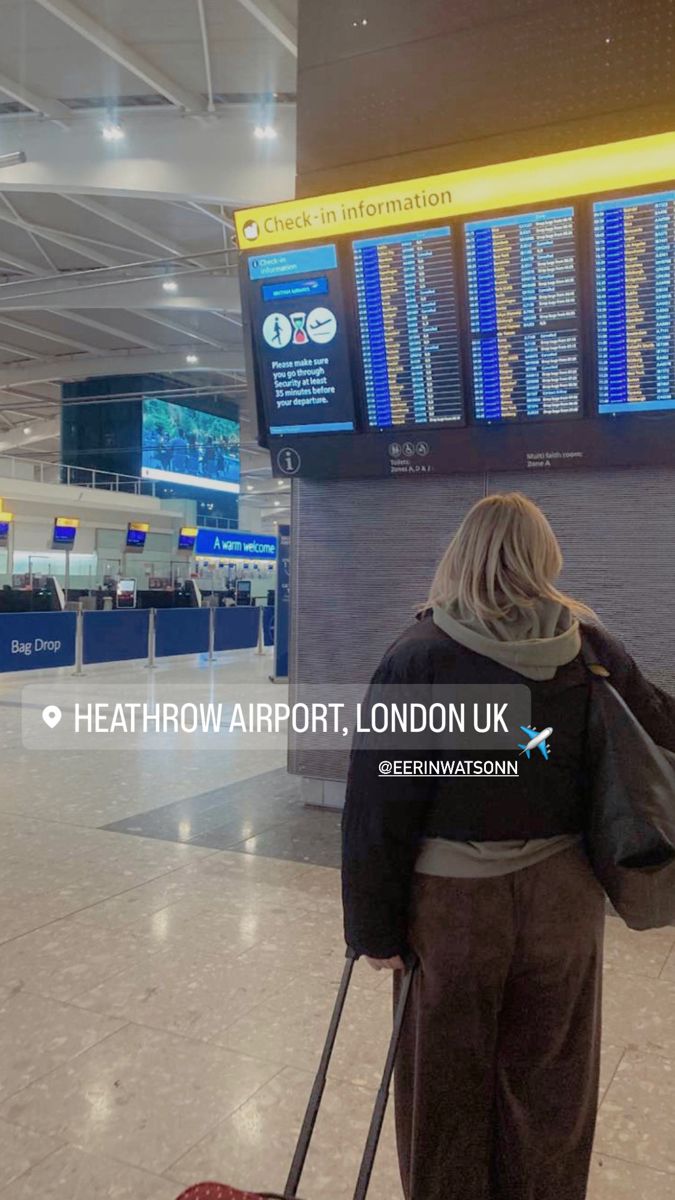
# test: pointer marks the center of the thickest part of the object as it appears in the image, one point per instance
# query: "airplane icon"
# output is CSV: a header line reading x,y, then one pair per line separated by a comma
x,y
537,741
320,324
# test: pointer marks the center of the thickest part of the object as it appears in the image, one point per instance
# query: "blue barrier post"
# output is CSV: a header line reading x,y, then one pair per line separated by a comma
x,y
151,639
79,625
212,633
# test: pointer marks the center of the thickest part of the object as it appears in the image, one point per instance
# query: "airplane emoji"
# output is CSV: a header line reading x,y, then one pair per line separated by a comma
x,y
537,741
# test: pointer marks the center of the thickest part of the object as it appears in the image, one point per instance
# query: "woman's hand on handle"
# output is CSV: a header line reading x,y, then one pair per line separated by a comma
x,y
386,964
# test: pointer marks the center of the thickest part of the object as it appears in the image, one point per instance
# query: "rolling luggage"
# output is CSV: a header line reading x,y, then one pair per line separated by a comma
x,y
221,1191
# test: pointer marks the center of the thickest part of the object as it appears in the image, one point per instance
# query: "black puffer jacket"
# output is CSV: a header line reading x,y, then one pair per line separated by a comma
x,y
385,819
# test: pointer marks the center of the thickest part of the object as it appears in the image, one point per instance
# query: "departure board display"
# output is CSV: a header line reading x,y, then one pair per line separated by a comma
x,y
524,318
299,331
635,303
407,312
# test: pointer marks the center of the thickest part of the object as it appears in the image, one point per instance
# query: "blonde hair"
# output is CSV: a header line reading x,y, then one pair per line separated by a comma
x,y
502,560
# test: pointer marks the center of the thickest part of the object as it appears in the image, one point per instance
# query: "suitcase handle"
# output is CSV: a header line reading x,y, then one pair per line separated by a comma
x,y
313,1105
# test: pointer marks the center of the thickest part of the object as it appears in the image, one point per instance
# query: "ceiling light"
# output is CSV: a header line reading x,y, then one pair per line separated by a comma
x,y
265,133
170,285
192,359
14,159
277,503
249,487
27,429
112,132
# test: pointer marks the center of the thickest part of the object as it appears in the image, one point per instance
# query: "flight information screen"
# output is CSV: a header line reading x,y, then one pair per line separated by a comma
x,y
524,318
407,311
635,303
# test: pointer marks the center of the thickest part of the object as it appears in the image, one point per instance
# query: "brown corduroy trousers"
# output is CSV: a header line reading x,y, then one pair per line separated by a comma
x,y
497,1072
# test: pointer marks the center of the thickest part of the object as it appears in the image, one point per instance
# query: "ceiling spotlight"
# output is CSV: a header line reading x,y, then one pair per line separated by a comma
x,y
112,132
277,503
170,285
249,487
27,430
14,159
265,133
192,359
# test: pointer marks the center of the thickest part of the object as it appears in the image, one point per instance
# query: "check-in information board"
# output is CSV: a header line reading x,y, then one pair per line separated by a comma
x,y
514,316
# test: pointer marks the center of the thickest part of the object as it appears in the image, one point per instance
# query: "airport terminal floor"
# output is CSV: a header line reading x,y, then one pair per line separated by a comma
x,y
170,946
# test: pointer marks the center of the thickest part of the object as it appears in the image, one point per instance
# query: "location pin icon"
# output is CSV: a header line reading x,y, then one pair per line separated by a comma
x,y
51,715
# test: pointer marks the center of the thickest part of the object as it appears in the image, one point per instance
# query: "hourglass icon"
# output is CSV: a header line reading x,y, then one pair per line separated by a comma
x,y
298,320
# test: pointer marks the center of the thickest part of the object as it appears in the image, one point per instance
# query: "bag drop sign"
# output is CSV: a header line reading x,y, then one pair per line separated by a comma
x,y
34,641
39,646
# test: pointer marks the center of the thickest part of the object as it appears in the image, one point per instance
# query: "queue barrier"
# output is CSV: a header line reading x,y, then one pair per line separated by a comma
x,y
181,631
115,636
35,641
236,628
268,625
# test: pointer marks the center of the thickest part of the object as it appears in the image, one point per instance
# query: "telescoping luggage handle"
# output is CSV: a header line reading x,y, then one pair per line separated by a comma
x,y
366,1169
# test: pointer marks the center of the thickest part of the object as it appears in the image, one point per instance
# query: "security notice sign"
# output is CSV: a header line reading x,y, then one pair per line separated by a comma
x,y
300,336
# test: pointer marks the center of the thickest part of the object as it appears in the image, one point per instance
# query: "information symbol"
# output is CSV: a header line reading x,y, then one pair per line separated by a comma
x,y
277,330
288,461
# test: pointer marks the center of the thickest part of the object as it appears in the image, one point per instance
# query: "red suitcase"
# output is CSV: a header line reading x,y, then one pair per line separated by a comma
x,y
221,1191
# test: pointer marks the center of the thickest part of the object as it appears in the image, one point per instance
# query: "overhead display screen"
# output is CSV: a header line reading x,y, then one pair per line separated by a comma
x,y
483,319
407,312
190,447
635,302
523,303
299,331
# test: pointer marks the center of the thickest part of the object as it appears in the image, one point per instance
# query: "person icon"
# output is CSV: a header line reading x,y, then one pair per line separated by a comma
x,y
277,330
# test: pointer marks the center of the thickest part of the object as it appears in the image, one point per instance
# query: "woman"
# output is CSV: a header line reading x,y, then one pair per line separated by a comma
x,y
488,883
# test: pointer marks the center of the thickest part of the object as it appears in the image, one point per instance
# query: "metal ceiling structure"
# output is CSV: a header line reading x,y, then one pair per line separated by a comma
x,y
116,252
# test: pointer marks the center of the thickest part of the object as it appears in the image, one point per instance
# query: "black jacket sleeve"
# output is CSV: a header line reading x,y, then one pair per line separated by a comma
x,y
382,826
654,708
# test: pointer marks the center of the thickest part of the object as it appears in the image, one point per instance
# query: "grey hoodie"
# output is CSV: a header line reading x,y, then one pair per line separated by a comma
x,y
534,643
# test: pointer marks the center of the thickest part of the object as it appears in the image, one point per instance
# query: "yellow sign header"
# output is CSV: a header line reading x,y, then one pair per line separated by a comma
x,y
628,164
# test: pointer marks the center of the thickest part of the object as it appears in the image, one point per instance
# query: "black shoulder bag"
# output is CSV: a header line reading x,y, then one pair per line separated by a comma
x,y
630,836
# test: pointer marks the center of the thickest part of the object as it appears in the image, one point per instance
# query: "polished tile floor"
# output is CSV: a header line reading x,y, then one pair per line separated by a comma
x,y
170,944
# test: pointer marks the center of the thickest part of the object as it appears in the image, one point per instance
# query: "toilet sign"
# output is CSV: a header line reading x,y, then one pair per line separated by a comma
x,y
34,641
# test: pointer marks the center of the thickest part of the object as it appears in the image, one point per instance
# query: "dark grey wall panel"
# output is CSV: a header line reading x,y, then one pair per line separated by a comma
x,y
475,71
617,532
364,552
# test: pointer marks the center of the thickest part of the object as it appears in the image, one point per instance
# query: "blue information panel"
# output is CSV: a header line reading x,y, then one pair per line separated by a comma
x,y
635,302
524,316
407,305
300,339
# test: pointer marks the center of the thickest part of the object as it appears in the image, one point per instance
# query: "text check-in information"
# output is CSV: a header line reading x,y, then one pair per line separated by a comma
x,y
300,338
407,303
523,301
